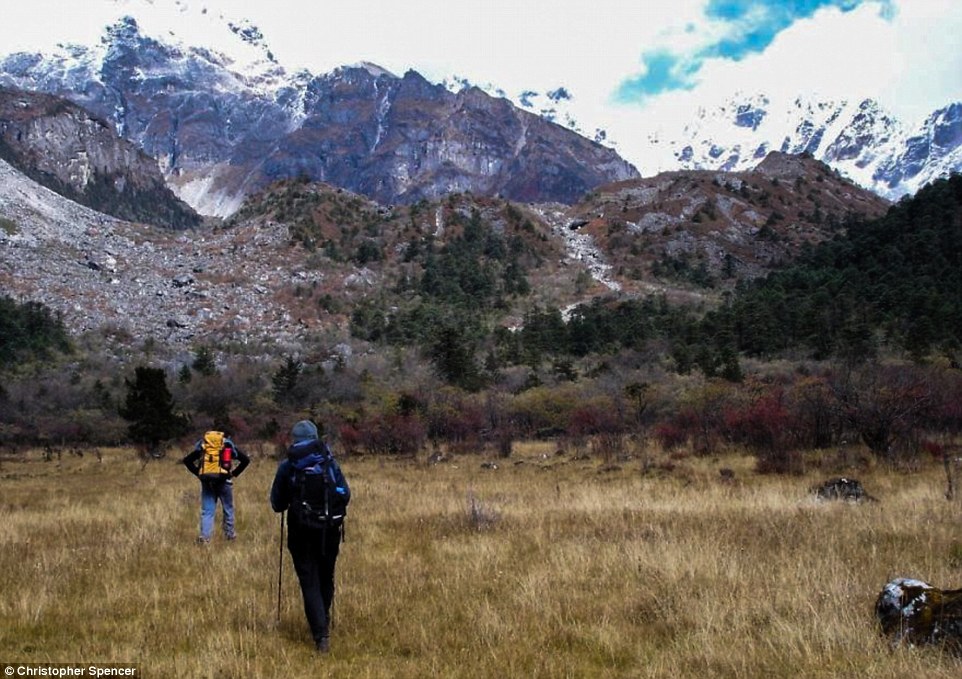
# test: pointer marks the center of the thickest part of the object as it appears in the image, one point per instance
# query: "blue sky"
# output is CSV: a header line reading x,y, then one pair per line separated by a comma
x,y
744,27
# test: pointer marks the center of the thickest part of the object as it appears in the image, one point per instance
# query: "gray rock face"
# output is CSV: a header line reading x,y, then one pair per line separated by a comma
x,y
405,139
65,148
136,282
933,151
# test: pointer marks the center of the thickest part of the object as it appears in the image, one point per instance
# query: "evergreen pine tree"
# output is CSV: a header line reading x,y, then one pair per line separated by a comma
x,y
149,407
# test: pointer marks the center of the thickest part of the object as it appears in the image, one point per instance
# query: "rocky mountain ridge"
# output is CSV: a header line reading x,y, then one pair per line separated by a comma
x,y
220,133
859,138
691,234
193,94
294,264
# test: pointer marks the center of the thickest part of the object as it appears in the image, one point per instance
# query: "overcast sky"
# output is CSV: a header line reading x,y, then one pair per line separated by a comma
x,y
625,61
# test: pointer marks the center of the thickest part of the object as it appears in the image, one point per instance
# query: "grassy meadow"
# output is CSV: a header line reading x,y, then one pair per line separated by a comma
x,y
548,566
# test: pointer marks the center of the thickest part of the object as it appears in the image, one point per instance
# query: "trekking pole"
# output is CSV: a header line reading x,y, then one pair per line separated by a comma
x,y
280,567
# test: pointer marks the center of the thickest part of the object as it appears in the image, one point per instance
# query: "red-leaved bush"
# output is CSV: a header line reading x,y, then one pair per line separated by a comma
x,y
669,435
767,428
391,434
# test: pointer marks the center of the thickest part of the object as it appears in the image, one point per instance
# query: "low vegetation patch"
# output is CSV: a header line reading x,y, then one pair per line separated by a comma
x,y
10,227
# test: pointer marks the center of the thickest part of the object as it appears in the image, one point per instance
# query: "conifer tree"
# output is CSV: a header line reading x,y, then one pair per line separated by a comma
x,y
150,409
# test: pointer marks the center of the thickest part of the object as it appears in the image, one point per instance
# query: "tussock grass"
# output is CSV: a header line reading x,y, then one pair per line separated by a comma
x,y
547,566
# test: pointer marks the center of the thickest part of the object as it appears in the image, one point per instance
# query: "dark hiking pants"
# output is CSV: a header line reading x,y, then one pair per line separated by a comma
x,y
314,554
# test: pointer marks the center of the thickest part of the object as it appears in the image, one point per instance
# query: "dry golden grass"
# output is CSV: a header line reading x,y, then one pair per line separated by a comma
x,y
547,568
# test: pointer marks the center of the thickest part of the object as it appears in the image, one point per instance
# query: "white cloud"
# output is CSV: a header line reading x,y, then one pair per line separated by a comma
x,y
508,42
816,55
928,64
41,24
911,63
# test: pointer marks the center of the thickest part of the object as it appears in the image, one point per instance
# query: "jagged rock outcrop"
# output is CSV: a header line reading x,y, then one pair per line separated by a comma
x,y
932,151
403,139
65,148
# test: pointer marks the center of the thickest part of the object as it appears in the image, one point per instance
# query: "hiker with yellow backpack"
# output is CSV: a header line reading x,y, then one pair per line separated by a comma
x,y
212,461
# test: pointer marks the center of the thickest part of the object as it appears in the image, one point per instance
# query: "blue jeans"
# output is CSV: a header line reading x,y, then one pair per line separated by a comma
x,y
210,493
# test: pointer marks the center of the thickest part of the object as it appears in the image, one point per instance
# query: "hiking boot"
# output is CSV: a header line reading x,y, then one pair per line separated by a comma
x,y
324,645
202,541
230,538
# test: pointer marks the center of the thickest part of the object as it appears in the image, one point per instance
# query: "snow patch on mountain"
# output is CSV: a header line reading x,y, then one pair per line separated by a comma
x,y
203,194
190,38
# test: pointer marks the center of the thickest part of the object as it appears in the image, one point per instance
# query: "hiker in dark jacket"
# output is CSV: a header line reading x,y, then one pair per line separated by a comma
x,y
313,541
214,489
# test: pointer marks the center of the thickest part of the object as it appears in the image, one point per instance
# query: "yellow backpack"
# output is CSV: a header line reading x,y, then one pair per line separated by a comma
x,y
217,456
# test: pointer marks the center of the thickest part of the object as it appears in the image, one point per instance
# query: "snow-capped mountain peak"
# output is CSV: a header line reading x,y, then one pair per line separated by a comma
x,y
859,138
372,69
179,56
188,25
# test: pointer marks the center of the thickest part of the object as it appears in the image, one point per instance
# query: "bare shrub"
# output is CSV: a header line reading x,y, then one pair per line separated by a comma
x,y
781,461
610,447
457,418
846,457
816,413
952,463
349,437
505,443
701,415
670,435
543,409
886,406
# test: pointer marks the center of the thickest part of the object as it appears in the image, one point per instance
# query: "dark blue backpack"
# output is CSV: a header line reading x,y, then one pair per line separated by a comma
x,y
318,501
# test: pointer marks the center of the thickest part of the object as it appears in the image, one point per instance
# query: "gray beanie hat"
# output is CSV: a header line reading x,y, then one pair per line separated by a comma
x,y
304,430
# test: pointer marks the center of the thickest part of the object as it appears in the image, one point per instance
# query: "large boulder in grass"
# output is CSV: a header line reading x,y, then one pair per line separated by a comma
x,y
842,488
912,611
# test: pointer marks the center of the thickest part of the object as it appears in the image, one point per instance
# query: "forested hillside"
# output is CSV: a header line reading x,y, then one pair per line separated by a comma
x,y
895,282
28,331
440,323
